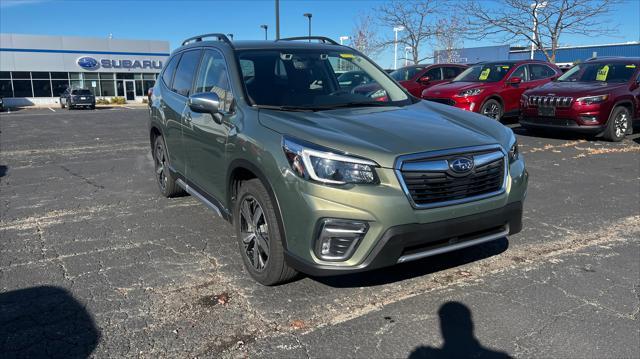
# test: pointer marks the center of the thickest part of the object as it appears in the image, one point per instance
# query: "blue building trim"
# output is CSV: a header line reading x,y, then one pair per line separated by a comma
x,y
87,52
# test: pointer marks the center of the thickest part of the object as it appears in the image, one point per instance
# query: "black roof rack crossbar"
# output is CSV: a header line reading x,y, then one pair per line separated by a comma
x,y
322,39
220,37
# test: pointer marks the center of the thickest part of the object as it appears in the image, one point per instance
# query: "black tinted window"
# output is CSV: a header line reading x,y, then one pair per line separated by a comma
x,y
434,74
538,72
81,92
213,77
185,72
169,70
451,72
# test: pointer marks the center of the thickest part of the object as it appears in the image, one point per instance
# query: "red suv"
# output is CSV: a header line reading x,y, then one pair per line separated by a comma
x,y
417,78
600,96
493,88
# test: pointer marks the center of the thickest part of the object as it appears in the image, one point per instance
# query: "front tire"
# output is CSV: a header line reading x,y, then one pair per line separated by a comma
x,y
618,125
492,109
259,237
165,179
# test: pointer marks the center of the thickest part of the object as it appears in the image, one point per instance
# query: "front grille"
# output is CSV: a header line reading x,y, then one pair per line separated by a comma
x,y
431,182
446,101
550,101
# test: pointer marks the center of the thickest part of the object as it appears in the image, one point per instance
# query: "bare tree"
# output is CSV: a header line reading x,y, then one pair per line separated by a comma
x,y
364,36
418,20
449,39
541,22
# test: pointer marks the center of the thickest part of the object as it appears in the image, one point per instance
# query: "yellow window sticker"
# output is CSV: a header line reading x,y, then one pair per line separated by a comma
x,y
484,74
602,73
347,56
632,66
505,67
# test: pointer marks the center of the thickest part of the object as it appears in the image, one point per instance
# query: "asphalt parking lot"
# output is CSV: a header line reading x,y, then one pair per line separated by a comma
x,y
94,262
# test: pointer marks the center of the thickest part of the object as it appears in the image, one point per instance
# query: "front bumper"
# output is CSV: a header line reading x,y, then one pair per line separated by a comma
x,y
560,124
395,228
409,242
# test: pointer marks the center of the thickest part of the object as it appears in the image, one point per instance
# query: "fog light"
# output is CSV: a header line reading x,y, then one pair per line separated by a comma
x,y
589,119
338,238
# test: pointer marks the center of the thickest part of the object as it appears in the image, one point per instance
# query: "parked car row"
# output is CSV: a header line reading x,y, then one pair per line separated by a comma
x,y
599,97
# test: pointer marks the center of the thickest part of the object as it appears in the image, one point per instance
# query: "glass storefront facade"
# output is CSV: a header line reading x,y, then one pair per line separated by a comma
x,y
52,84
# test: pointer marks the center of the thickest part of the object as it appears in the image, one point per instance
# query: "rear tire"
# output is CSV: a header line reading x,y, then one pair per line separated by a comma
x,y
258,234
492,109
164,178
618,125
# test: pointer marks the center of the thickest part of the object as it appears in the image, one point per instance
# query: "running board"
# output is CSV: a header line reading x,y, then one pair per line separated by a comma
x,y
453,247
190,190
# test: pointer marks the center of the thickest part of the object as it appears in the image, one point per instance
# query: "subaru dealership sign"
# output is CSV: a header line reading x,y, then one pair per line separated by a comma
x,y
90,63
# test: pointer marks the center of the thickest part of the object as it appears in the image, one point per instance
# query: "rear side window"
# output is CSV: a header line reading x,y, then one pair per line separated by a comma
x,y
434,74
185,72
213,77
167,75
538,72
451,72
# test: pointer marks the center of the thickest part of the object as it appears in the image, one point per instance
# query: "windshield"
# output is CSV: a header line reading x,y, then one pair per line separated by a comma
x,y
81,92
406,73
484,73
599,72
301,78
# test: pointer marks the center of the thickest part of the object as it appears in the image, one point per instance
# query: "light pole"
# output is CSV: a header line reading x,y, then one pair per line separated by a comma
x,y
406,55
535,6
277,19
343,38
308,15
265,27
395,46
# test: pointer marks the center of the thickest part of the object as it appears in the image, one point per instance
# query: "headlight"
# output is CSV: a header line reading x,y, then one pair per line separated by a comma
x,y
592,99
514,154
470,92
316,163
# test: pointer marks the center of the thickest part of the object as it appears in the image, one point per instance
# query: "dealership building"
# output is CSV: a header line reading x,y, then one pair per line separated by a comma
x,y
37,69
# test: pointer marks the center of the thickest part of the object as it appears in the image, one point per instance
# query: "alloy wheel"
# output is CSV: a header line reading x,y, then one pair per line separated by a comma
x,y
161,165
254,232
492,110
621,124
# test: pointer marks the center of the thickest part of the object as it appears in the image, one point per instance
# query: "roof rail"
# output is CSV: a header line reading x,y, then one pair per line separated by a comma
x,y
220,37
322,39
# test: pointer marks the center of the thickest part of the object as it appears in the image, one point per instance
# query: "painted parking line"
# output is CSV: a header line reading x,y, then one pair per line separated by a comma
x,y
130,108
52,110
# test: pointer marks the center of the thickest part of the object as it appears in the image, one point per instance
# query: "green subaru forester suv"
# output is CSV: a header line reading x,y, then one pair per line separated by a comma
x,y
321,176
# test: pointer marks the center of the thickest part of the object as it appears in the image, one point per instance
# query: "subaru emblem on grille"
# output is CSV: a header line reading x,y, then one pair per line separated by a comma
x,y
461,164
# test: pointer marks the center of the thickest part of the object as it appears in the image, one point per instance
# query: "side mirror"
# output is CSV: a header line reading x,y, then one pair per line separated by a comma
x,y
515,80
424,80
205,102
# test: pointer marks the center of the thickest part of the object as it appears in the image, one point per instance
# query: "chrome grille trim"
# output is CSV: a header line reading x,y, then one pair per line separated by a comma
x,y
550,101
432,161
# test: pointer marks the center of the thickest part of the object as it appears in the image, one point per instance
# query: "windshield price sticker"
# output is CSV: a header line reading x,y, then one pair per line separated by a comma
x,y
347,56
484,74
602,73
632,66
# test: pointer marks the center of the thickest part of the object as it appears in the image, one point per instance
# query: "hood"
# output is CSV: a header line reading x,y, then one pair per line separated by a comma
x,y
450,88
574,89
384,133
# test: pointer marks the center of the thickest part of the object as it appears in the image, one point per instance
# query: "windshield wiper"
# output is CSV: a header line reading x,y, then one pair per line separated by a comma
x,y
349,104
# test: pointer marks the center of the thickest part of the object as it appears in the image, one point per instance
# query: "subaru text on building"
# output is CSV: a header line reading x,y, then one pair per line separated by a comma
x,y
599,97
319,179
493,88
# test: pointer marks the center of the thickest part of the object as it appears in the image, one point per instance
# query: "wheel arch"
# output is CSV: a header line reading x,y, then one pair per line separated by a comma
x,y
242,170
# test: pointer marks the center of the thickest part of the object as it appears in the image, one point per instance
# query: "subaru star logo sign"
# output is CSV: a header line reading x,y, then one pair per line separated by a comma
x,y
461,164
88,63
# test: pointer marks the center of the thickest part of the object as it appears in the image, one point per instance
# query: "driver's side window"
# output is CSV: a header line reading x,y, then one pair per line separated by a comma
x,y
434,74
521,72
213,77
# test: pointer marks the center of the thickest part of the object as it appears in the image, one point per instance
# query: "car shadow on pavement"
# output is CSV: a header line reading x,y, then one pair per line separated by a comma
x,y
45,321
456,326
417,268
3,170
559,135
